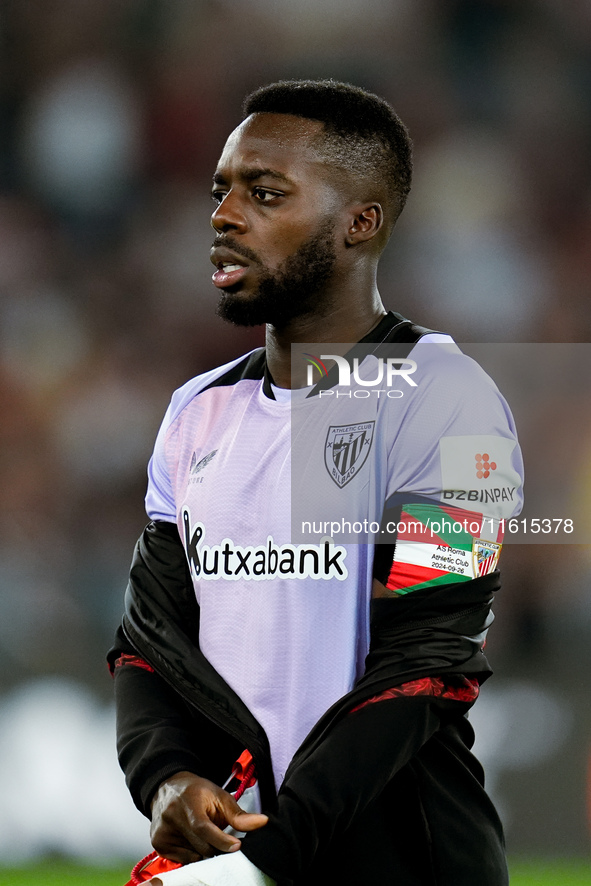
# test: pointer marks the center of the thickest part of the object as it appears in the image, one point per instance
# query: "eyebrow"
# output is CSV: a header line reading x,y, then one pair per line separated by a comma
x,y
250,174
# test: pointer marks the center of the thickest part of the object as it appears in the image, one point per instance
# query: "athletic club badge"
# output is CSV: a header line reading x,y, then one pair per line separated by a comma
x,y
485,556
346,450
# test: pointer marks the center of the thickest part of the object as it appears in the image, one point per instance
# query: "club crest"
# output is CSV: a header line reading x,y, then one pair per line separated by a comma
x,y
346,450
485,556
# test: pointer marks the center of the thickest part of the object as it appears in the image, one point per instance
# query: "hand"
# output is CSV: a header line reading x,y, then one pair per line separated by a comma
x,y
188,817
380,590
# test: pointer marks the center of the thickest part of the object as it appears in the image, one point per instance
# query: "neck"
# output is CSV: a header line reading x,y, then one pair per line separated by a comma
x,y
347,321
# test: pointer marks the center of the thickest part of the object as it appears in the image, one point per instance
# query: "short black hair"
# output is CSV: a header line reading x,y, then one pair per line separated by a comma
x,y
362,132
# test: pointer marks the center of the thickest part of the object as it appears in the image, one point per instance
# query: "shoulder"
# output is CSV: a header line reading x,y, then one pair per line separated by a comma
x,y
452,395
249,366
442,367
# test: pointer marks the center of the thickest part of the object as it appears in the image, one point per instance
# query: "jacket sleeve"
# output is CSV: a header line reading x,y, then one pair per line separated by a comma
x,y
158,733
153,727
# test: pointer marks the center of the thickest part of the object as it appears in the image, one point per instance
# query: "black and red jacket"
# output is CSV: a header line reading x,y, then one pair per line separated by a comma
x,y
383,789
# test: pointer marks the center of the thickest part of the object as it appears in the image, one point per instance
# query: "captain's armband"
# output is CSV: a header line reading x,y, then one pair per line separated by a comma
x,y
421,545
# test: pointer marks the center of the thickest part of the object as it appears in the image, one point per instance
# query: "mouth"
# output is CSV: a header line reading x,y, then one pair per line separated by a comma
x,y
230,267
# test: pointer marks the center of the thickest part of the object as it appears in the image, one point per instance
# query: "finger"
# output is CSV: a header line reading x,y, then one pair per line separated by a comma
x,y
182,841
195,848
174,850
190,875
238,818
183,856
217,839
246,821
178,854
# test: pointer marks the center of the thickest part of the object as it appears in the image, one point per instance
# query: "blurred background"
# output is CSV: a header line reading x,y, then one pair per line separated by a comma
x,y
112,116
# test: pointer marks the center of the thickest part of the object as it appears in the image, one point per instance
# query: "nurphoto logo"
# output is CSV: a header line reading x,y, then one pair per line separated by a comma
x,y
388,370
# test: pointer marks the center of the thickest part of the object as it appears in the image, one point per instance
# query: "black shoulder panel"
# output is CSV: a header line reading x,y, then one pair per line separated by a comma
x,y
392,329
403,330
253,366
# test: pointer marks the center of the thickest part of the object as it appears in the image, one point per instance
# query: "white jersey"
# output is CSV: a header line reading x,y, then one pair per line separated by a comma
x,y
284,616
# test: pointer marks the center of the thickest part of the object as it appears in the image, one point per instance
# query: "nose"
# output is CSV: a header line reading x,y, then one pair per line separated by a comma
x,y
228,215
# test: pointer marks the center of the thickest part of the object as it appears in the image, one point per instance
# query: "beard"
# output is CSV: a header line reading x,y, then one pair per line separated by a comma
x,y
293,290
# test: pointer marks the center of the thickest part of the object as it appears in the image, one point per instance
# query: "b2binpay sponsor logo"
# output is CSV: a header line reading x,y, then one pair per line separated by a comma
x,y
233,562
482,496
484,467
478,469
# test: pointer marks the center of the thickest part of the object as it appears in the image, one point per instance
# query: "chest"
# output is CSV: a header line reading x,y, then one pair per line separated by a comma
x,y
251,468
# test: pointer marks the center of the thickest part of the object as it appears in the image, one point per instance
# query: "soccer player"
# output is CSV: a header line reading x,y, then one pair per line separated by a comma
x,y
345,670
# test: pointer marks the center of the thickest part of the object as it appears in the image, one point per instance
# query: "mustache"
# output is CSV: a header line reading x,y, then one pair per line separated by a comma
x,y
238,248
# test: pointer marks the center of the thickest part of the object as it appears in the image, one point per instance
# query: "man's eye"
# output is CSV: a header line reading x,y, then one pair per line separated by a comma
x,y
218,196
263,195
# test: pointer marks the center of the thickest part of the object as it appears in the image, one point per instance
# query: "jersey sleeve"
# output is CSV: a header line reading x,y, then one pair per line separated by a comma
x,y
160,501
455,477
160,497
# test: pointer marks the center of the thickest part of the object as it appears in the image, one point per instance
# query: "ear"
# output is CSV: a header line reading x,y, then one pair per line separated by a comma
x,y
364,223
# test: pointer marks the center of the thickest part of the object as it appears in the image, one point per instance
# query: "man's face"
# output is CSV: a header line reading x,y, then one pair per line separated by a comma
x,y
277,208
